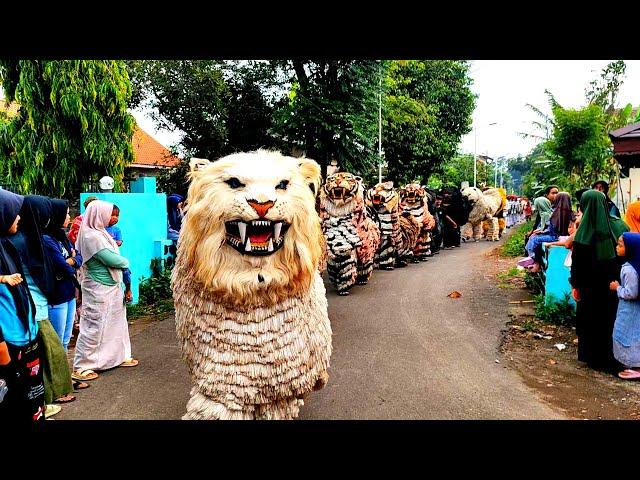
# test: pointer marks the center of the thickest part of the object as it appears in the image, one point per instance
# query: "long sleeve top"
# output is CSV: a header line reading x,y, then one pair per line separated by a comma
x,y
628,289
65,289
98,266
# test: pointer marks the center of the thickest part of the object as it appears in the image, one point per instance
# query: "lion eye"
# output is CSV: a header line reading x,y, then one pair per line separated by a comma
x,y
283,185
233,182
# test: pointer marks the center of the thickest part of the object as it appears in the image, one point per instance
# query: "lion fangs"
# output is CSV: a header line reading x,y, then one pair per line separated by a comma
x,y
276,231
270,247
242,228
248,247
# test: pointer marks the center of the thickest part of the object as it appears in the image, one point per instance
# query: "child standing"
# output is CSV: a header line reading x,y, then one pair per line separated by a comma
x,y
626,331
116,234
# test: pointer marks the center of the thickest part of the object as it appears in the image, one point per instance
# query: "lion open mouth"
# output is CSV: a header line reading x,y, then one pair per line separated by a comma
x,y
256,237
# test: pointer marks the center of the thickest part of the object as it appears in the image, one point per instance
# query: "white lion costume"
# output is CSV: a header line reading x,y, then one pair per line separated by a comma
x,y
251,308
486,205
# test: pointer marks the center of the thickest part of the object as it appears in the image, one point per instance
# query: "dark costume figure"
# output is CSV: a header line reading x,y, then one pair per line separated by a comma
x,y
455,215
594,266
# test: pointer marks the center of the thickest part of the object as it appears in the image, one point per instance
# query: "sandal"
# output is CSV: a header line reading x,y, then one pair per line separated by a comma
x,y
129,362
629,374
65,399
84,375
80,385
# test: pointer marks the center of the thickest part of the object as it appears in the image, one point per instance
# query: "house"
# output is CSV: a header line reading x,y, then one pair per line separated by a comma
x,y
150,156
626,151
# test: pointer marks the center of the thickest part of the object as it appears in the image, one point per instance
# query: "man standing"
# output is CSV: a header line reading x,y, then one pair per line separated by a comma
x,y
603,187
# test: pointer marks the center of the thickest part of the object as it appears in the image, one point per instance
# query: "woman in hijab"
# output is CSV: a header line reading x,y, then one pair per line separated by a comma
x,y
103,341
62,301
40,277
24,400
557,225
632,217
594,266
626,331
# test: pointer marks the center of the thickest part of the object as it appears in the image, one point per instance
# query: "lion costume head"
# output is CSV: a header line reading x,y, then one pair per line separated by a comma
x,y
251,235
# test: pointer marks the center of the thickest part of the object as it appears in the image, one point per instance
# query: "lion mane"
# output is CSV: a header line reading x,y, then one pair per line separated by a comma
x,y
251,308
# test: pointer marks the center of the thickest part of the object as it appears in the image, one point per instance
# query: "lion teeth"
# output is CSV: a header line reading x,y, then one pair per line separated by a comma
x,y
247,248
270,247
276,231
242,228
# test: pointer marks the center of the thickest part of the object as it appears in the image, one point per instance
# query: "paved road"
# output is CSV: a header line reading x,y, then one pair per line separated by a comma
x,y
402,350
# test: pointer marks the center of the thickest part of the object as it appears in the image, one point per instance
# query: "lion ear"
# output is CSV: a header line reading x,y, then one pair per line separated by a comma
x,y
197,164
311,172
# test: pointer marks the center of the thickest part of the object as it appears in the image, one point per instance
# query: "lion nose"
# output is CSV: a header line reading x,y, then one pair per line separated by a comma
x,y
261,207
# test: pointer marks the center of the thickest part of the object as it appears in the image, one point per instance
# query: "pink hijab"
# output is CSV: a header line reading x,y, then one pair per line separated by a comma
x,y
93,237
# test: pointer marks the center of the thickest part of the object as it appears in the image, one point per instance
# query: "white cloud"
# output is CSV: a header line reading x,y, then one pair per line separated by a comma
x,y
504,87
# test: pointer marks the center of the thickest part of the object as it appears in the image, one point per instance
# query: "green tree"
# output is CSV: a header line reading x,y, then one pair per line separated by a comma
x,y
331,111
427,110
72,124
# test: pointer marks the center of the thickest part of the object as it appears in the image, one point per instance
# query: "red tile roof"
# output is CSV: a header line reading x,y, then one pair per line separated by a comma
x,y
149,152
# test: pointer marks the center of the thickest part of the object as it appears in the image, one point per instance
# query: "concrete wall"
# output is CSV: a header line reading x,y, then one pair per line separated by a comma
x,y
557,275
143,222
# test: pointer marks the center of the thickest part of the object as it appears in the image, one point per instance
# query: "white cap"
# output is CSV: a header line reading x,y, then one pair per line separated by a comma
x,y
106,183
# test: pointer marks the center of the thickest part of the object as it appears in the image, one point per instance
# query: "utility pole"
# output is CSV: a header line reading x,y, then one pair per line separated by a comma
x,y
380,127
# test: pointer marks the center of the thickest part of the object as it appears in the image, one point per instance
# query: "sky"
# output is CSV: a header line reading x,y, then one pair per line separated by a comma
x,y
504,87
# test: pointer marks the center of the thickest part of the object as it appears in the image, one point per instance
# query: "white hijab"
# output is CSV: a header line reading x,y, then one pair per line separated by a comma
x,y
93,237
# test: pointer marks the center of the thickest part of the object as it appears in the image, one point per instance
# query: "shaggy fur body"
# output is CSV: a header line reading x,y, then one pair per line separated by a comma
x,y
487,205
352,237
253,329
413,202
399,233
254,364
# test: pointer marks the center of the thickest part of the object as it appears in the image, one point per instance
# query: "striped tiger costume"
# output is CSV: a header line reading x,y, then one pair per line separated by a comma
x,y
413,201
399,232
352,237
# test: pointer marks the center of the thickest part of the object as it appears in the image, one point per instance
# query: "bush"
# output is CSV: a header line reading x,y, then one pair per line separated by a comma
x,y
534,282
558,313
158,287
514,246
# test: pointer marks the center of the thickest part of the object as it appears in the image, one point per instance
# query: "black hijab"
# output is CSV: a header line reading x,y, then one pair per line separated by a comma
x,y
55,229
35,217
10,205
175,220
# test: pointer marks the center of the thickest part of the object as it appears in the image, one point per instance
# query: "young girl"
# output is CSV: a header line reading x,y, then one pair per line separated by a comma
x,y
626,331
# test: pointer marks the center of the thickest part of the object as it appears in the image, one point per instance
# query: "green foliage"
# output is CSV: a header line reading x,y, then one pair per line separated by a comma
x,y
514,246
534,282
331,111
558,313
72,126
505,278
575,149
427,109
157,287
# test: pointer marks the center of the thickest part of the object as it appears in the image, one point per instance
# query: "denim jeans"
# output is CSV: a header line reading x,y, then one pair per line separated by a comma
x,y
534,245
61,317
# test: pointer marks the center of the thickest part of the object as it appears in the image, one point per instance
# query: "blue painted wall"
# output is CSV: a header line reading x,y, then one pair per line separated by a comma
x,y
143,222
557,276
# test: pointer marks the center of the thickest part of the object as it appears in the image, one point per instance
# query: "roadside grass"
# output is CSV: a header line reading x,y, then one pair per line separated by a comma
x,y
514,246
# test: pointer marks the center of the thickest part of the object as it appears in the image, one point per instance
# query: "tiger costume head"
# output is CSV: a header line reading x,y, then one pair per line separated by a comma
x,y
342,188
412,195
383,197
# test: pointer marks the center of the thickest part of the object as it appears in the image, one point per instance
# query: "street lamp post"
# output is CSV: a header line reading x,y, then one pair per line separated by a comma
x,y
475,151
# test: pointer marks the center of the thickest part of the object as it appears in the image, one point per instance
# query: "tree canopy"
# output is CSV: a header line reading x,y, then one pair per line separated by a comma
x,y
72,124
